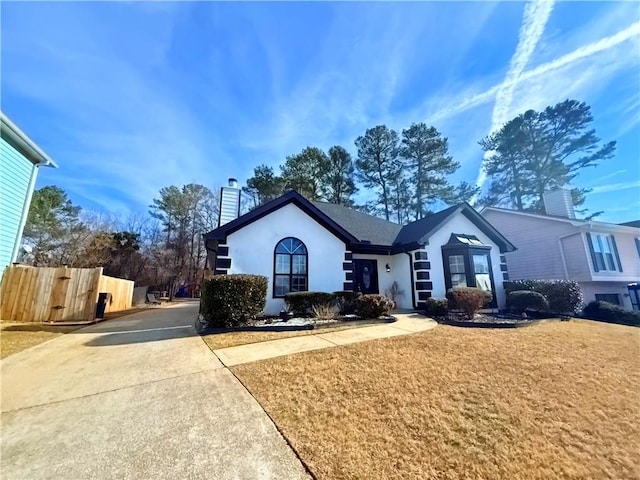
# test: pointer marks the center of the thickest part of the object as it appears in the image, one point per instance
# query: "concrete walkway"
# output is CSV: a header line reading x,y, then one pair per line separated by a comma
x,y
406,323
134,398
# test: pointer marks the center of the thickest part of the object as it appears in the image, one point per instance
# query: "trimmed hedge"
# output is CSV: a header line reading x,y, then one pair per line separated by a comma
x,y
303,302
609,312
436,308
564,296
372,306
229,300
521,300
468,299
346,301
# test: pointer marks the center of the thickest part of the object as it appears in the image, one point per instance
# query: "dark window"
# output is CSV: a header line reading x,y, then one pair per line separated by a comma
x,y
604,251
290,267
608,297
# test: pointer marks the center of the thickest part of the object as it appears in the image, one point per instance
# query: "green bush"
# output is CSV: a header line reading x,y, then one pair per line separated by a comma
x,y
302,303
229,300
372,306
468,299
564,296
436,308
346,301
521,300
611,313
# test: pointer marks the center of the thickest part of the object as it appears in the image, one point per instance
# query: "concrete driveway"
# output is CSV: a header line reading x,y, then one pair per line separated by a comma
x,y
137,397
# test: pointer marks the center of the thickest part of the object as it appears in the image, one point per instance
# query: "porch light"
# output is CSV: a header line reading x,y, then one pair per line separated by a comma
x,y
387,267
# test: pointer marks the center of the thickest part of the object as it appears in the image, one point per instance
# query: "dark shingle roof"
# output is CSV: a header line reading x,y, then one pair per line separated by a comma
x,y
634,223
416,231
362,226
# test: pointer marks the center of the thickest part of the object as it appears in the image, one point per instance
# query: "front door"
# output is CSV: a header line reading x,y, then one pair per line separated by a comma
x,y
366,276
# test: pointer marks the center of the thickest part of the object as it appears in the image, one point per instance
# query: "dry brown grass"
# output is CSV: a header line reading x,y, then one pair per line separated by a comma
x,y
15,337
555,400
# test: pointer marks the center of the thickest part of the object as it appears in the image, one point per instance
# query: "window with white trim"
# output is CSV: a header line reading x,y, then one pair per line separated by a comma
x,y
290,267
604,253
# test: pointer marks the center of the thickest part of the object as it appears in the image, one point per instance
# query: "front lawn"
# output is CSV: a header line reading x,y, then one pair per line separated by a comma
x,y
15,337
554,400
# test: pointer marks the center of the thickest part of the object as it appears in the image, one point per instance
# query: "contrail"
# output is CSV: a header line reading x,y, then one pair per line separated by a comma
x,y
536,15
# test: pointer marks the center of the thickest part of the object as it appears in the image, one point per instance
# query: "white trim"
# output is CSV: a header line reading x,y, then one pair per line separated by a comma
x,y
25,213
27,147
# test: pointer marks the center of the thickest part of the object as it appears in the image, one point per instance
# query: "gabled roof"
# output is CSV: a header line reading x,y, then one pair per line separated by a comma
x,y
634,224
365,233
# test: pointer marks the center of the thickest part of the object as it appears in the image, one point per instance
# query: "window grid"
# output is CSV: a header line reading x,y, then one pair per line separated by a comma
x,y
290,267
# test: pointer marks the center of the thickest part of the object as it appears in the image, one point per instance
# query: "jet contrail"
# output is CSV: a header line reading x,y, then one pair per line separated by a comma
x,y
535,17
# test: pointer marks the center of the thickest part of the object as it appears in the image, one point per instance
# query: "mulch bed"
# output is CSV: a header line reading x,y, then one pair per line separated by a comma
x,y
485,320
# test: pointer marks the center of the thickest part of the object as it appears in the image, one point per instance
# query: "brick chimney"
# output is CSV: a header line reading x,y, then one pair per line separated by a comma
x,y
229,202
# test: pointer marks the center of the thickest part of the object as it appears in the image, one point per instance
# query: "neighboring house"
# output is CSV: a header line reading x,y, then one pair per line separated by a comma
x,y
20,158
604,258
301,245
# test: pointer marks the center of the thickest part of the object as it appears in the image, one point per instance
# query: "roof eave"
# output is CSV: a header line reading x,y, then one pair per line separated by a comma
x,y
27,146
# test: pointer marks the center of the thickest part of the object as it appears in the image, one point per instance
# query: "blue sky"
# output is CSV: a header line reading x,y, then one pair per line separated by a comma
x,y
129,97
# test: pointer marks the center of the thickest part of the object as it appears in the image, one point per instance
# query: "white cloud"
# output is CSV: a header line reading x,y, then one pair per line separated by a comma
x,y
615,187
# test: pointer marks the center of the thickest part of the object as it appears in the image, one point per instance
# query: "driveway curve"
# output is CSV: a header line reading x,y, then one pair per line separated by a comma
x,y
139,397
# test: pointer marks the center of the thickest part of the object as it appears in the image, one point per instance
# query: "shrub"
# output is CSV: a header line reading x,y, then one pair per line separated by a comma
x,y
228,300
521,300
436,308
372,306
346,301
564,296
609,312
468,299
302,303
324,310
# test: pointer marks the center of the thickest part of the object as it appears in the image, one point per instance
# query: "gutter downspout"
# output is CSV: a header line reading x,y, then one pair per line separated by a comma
x,y
413,287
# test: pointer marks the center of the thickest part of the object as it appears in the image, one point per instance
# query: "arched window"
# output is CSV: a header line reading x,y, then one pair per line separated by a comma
x,y
290,267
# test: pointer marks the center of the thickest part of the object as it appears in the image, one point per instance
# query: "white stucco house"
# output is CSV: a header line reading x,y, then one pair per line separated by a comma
x,y
604,258
301,245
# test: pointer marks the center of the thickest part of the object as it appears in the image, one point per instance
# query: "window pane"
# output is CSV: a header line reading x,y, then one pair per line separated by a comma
x,y
595,242
608,297
600,261
298,283
483,281
299,264
480,264
283,263
458,280
456,263
611,263
282,285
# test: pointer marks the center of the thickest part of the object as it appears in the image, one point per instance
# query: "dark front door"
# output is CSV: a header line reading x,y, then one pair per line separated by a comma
x,y
366,276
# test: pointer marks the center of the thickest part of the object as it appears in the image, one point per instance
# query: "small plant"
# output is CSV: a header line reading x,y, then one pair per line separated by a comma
x,y
520,301
301,303
468,299
564,296
346,301
372,306
394,292
324,311
436,308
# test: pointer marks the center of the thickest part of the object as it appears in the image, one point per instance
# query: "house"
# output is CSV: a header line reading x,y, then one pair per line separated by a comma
x,y
301,245
20,159
604,258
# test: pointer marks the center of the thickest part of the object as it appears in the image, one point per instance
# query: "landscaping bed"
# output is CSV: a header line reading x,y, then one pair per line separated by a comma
x,y
494,320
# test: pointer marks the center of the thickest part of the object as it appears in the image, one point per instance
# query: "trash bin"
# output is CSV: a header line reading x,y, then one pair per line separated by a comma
x,y
104,299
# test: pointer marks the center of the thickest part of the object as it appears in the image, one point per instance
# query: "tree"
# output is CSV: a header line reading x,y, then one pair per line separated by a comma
x,y
339,185
377,164
306,172
428,162
540,151
53,221
264,186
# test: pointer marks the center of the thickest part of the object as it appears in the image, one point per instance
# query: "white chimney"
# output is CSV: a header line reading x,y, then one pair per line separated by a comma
x,y
559,203
229,202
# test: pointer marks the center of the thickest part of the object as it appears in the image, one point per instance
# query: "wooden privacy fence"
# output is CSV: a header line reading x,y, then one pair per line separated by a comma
x,y
39,294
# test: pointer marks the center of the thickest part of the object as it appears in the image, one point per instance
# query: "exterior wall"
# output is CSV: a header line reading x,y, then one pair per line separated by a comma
x,y
17,178
400,272
461,225
629,258
538,254
574,249
251,251
589,290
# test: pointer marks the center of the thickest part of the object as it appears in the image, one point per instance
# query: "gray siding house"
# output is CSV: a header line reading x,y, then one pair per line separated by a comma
x,y
20,159
604,258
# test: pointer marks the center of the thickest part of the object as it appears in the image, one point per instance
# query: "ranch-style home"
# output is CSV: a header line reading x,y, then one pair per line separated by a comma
x,y
302,245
